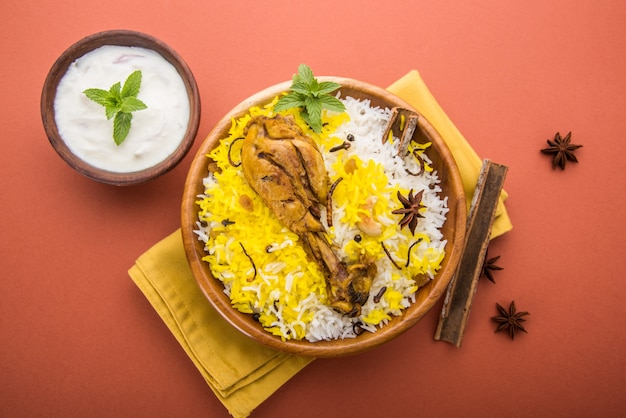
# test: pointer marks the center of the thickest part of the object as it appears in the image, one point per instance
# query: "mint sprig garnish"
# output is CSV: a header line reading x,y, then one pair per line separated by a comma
x,y
119,103
311,96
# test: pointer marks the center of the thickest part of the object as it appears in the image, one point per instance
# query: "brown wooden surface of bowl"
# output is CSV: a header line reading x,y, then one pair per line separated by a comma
x,y
118,38
453,231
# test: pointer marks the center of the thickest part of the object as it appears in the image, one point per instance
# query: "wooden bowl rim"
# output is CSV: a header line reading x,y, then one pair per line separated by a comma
x,y
213,288
119,37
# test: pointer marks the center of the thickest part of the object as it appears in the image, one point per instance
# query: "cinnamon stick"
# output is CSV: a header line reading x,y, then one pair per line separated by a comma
x,y
462,288
402,125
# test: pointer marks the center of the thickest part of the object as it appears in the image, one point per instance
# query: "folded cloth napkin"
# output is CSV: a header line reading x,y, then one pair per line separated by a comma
x,y
241,372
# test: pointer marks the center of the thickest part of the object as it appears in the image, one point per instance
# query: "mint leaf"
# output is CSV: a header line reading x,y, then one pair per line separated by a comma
x,y
311,97
302,88
314,111
305,74
131,104
115,91
332,103
326,87
121,126
289,101
98,95
132,84
111,110
119,102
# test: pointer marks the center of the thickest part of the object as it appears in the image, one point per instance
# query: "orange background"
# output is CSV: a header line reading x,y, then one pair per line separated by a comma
x,y
79,339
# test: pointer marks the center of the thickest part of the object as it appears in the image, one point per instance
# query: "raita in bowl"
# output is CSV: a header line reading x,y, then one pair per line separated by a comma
x,y
149,139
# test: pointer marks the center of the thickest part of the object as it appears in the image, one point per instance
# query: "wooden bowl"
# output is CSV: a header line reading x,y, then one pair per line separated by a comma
x,y
118,38
453,230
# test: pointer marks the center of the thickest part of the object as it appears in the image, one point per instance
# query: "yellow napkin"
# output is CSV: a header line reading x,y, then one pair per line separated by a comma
x,y
241,372
412,89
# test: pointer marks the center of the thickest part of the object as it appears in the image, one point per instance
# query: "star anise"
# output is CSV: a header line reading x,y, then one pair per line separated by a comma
x,y
510,320
411,207
562,150
489,264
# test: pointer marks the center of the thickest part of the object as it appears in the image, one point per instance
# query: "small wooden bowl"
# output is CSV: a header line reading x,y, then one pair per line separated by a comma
x,y
453,231
119,38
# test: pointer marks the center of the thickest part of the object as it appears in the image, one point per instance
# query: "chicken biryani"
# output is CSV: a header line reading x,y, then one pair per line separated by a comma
x,y
321,235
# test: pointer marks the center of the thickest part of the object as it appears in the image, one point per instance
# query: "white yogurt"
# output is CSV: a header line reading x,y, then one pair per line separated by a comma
x,y
155,132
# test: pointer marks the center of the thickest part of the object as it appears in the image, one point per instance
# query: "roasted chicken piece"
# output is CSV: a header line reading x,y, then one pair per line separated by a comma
x,y
286,168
